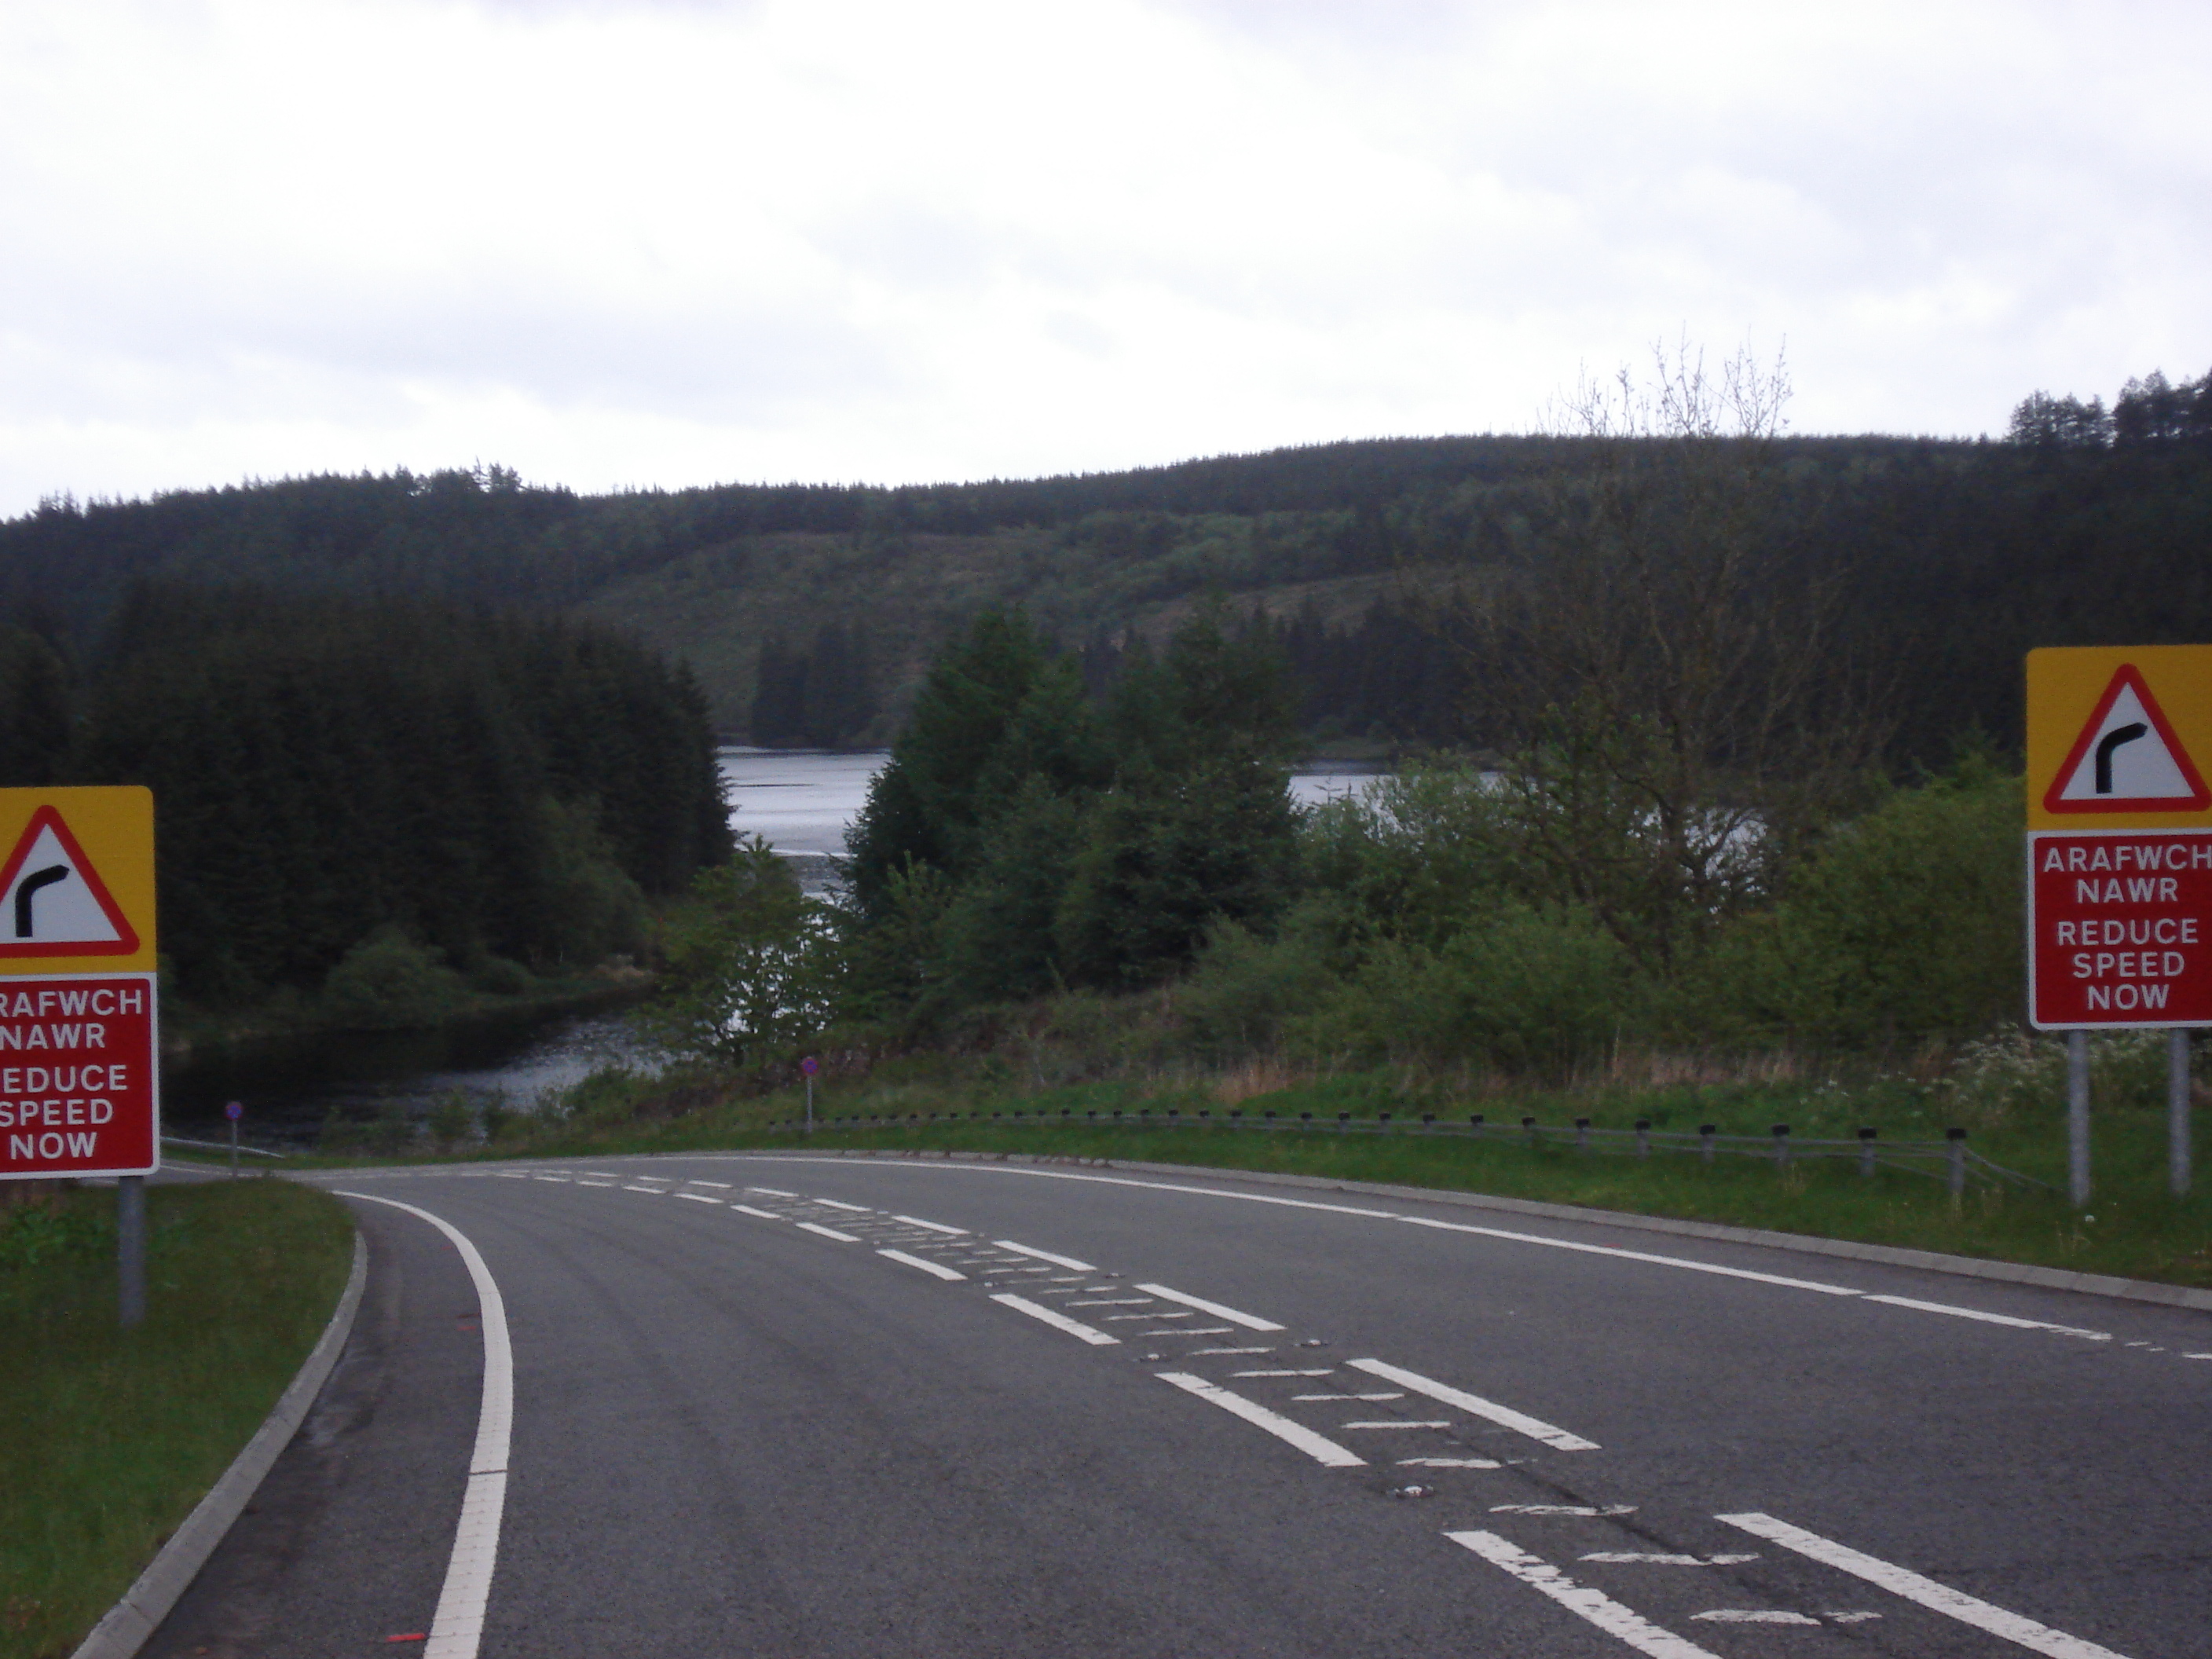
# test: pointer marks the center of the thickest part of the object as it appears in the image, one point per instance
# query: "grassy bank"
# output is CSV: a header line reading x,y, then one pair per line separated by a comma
x,y
2133,1229
110,1438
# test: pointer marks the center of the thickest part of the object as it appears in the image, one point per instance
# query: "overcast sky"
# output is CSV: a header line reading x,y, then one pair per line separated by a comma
x,y
667,242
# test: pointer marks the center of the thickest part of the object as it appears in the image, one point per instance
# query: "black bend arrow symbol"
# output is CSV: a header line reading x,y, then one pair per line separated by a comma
x,y
2112,740
27,889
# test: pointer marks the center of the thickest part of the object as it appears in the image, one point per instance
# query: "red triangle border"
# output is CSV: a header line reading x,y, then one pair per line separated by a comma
x,y
126,942
2127,675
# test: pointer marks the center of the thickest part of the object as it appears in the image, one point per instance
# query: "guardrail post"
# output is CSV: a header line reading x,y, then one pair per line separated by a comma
x,y
1705,1133
1956,1152
1474,1124
1643,1137
2177,1112
1582,1134
1344,1123
1780,1146
1528,1126
1866,1152
2077,1117
1428,1122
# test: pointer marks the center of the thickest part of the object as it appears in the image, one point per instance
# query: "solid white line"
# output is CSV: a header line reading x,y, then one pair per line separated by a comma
x,y
1536,1428
1059,1321
1250,1322
765,1215
1067,1262
933,1226
1600,1609
1320,1447
827,1232
857,1209
457,1628
1990,1318
699,1198
1942,1598
932,1268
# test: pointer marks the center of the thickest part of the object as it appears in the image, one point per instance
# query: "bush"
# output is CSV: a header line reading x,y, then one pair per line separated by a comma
x,y
389,980
451,1120
1246,990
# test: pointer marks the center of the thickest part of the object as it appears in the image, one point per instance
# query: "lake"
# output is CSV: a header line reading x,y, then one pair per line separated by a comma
x,y
801,802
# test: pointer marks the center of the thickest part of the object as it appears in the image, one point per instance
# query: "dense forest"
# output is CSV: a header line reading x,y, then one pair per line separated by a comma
x,y
402,785
809,614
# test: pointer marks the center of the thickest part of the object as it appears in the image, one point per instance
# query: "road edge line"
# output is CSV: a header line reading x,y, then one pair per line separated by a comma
x,y
139,1612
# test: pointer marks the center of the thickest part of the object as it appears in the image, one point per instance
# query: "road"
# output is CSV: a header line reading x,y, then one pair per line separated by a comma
x,y
782,1404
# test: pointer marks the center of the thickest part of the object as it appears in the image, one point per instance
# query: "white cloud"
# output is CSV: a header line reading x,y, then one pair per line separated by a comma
x,y
626,243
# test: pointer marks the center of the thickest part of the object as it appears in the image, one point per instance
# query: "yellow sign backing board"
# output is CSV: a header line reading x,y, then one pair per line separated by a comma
x,y
77,881
2120,737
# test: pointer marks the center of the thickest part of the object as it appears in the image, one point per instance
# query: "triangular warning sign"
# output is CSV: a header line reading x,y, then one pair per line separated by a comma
x,y
52,902
2128,758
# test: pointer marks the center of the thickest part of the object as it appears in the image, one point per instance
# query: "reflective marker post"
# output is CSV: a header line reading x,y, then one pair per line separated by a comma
x,y
2177,1112
2077,1117
131,1251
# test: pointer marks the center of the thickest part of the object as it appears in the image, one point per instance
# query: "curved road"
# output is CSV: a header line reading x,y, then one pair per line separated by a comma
x,y
788,1405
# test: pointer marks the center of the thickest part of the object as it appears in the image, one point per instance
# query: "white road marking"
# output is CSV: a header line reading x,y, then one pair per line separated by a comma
x,y
1449,1463
1201,1330
1108,1301
1113,1318
1250,1322
1347,1399
1324,1372
655,1191
1058,1320
1536,1428
1942,1598
1752,1616
1600,1609
1990,1318
1650,1560
595,1183
772,1192
765,1215
831,1203
1196,1352
932,1226
1066,1261
1320,1447
1587,1511
1394,1424
694,1181
698,1198
827,1232
609,1174
513,1175
562,1179
457,1628
933,1267
2197,1356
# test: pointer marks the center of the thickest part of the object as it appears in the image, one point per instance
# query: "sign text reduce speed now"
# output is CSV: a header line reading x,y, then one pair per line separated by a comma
x,y
2119,928
76,1075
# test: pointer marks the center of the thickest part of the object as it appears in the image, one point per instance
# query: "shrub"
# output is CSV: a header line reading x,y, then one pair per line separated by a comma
x,y
389,980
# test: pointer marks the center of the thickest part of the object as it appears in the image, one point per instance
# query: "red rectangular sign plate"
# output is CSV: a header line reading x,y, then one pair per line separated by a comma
x,y
2120,928
80,1091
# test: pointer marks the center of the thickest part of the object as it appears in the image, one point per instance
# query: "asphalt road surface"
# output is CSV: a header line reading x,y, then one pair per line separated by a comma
x,y
785,1406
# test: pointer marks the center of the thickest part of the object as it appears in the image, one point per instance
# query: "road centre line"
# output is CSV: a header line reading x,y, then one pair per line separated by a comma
x,y
771,1192
1059,1321
1599,1609
1112,1301
595,1183
1939,1598
935,1268
1753,1616
831,1203
610,1175
933,1226
1320,1447
694,1181
1195,1353
827,1232
1504,1416
457,1628
765,1215
1250,1322
656,1191
1066,1261
697,1198
1779,1281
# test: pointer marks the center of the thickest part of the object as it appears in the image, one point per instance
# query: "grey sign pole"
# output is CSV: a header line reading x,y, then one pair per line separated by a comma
x,y
131,1249
2177,1112
2077,1117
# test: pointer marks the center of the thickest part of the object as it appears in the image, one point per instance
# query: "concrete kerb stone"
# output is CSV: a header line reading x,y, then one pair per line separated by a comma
x,y
124,1631
2010,1272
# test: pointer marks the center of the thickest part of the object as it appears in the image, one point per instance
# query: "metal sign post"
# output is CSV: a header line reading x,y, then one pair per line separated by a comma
x,y
234,1111
2119,865
809,1066
80,1052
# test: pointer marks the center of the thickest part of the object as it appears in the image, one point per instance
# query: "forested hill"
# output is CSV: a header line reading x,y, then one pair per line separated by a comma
x,y
808,612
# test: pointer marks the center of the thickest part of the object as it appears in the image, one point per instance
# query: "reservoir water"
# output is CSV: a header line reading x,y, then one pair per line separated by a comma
x,y
801,802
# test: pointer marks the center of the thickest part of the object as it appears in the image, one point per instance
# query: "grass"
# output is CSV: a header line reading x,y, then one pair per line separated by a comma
x,y
2133,1229
111,1437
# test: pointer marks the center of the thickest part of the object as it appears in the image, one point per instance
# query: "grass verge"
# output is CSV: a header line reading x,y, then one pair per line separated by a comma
x,y
109,1438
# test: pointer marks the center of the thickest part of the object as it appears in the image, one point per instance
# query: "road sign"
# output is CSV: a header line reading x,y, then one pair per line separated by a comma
x,y
2120,737
2120,928
80,1084
234,1110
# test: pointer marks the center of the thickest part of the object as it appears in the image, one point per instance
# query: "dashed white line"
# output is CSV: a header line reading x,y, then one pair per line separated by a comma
x,y
694,1181
655,1191
563,1180
1449,1463
1324,1372
932,1226
1250,1322
699,1198
1504,1416
1320,1447
1347,1399
935,1268
1587,1511
595,1183
1600,1609
1753,1616
1941,1598
1196,1352
1646,1559
765,1215
827,1232
771,1192
1104,1301
831,1203
609,1174
1394,1424
1066,1261
1059,1321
